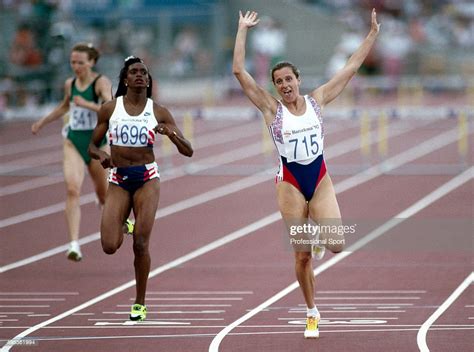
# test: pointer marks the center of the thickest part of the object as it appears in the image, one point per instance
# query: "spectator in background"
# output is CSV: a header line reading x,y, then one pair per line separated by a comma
x,y
24,51
395,45
269,43
186,47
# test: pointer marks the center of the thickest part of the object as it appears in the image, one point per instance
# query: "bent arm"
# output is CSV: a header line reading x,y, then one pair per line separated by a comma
x,y
167,126
98,134
103,89
263,100
329,91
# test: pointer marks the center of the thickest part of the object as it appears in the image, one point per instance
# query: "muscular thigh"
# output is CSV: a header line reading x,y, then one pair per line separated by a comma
x,y
324,206
73,165
145,205
293,207
116,209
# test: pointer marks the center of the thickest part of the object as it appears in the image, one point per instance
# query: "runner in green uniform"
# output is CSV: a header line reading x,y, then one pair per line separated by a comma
x,y
82,94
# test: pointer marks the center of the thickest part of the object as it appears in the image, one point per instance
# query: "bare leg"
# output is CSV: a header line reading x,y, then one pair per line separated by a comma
x,y
324,209
116,209
294,210
99,178
145,204
73,169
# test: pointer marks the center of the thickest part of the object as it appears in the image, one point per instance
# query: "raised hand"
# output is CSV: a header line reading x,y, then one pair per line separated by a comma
x,y
248,20
375,27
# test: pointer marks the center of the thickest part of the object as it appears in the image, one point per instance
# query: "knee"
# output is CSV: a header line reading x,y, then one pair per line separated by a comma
x,y
336,248
101,198
140,247
303,259
108,248
73,191
336,244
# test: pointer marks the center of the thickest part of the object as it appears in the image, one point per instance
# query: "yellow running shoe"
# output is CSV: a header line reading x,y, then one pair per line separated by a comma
x,y
312,328
129,226
138,312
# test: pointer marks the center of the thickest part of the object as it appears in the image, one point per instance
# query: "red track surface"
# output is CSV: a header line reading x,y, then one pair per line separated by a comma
x,y
374,299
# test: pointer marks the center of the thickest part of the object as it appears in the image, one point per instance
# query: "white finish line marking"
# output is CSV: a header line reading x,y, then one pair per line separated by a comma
x,y
404,157
407,213
421,336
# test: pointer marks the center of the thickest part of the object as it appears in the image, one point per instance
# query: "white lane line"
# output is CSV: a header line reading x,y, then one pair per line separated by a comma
x,y
449,135
162,212
372,291
176,319
30,145
25,306
334,151
193,299
362,311
303,306
174,173
209,311
39,315
179,305
368,318
34,183
31,299
200,293
33,293
207,140
338,149
369,297
421,336
251,228
31,162
407,213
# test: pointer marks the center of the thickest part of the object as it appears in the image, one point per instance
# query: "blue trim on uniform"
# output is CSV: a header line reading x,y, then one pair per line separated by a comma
x,y
132,178
307,177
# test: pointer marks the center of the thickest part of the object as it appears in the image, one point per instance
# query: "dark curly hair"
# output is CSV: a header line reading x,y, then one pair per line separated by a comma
x,y
122,88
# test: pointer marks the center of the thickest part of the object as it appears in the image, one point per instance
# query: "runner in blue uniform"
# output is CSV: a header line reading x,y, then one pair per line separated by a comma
x,y
132,120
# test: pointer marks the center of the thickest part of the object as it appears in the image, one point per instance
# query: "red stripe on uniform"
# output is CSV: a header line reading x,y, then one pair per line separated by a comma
x,y
288,177
322,172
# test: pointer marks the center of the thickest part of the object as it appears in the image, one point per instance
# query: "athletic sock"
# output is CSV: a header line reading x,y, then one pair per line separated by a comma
x,y
312,312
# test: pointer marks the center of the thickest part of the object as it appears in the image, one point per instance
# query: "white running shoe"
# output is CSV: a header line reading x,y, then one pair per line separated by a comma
x,y
74,252
317,251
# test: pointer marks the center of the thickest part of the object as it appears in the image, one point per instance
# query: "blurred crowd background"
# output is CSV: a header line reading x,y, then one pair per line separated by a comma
x,y
188,43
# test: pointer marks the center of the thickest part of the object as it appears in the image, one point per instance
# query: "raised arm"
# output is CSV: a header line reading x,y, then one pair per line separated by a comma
x,y
329,91
167,126
263,100
58,112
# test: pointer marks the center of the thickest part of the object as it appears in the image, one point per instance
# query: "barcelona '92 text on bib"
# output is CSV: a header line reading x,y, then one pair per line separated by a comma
x,y
298,138
82,119
132,131
303,143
